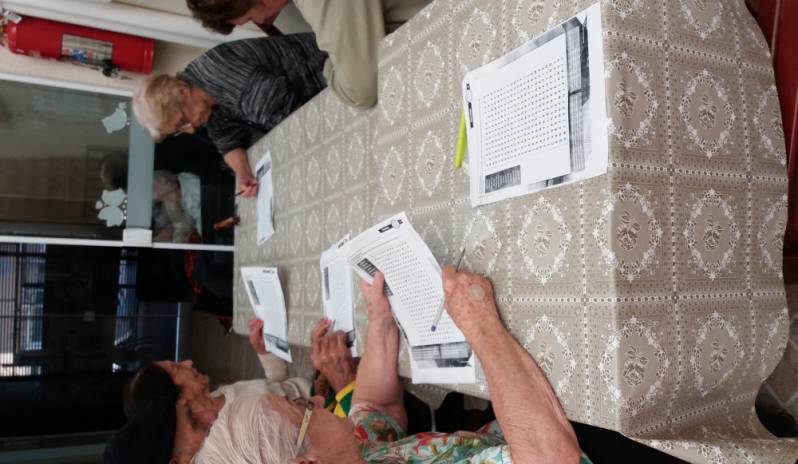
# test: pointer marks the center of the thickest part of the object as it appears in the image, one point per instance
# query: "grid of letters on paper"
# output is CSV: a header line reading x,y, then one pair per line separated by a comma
x,y
415,289
526,116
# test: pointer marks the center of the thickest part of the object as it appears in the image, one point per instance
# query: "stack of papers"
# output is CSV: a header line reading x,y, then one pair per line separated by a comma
x,y
266,295
336,292
413,284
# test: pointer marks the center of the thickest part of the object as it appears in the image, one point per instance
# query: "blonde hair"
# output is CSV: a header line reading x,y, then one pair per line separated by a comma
x,y
156,101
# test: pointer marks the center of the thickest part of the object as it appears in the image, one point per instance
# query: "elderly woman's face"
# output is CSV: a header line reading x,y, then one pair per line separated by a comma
x,y
184,376
195,110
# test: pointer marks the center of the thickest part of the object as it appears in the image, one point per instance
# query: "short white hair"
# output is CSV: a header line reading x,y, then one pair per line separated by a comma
x,y
249,430
156,101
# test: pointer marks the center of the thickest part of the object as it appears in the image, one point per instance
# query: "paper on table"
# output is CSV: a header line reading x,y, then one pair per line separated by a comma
x,y
414,288
336,292
266,295
263,172
536,116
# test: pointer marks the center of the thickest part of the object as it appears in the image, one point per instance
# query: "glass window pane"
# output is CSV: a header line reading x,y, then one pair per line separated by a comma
x,y
61,148
193,189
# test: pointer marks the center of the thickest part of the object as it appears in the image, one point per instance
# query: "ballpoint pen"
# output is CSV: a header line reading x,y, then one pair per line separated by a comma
x,y
237,194
440,308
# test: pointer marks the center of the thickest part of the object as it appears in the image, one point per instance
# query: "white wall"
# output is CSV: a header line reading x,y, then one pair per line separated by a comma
x,y
169,58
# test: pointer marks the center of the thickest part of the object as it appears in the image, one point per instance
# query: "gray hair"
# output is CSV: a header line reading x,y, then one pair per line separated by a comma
x,y
248,430
156,101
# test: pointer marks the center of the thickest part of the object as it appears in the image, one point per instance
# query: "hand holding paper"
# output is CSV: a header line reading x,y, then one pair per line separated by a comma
x,y
336,292
413,287
268,303
255,326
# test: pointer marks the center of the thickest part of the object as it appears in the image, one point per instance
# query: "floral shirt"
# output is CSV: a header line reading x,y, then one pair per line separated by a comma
x,y
383,441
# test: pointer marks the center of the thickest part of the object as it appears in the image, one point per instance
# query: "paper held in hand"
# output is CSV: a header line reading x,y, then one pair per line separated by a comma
x,y
265,207
266,296
413,284
336,292
536,117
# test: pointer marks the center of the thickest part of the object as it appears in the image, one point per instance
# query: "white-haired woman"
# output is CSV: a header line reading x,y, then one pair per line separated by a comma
x,y
531,425
231,424
232,89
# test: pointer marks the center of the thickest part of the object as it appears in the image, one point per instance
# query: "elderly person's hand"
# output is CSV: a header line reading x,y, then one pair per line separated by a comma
x,y
330,355
189,435
256,335
469,301
247,185
376,302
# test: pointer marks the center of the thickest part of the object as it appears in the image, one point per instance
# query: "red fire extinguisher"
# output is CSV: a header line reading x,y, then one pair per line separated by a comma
x,y
52,39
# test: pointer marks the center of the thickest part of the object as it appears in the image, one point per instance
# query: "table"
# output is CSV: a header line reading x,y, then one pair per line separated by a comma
x,y
656,307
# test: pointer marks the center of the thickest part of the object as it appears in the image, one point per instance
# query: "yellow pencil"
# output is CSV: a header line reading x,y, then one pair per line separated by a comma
x,y
459,151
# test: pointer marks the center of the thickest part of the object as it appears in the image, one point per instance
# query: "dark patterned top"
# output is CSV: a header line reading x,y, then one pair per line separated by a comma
x,y
256,84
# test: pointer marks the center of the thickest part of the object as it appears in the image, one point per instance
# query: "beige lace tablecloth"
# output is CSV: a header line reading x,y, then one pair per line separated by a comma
x,y
657,306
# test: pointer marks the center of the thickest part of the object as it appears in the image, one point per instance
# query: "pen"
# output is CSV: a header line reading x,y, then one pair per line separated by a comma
x,y
440,309
459,150
237,194
470,109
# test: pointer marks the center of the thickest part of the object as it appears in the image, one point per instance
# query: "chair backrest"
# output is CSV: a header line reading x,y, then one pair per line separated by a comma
x,y
778,20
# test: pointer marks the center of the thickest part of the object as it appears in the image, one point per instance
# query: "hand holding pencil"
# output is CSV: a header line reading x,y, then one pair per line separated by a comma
x,y
443,301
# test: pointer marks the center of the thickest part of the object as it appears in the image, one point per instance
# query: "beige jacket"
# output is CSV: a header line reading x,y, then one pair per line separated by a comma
x,y
349,31
275,382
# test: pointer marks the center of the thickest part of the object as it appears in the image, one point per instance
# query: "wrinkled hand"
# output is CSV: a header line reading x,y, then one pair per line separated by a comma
x,y
330,355
469,301
376,302
189,435
256,335
321,385
248,185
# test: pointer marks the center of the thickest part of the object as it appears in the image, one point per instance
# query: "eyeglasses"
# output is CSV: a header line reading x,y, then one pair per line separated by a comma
x,y
183,125
303,428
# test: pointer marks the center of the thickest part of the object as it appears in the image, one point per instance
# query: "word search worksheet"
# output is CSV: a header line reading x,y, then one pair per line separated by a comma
x,y
268,303
336,292
536,117
414,287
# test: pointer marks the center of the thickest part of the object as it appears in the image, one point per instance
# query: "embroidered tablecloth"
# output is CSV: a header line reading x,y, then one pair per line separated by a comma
x,y
652,296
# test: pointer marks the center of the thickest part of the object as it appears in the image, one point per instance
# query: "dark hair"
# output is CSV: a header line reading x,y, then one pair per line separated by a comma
x,y
217,14
147,384
148,437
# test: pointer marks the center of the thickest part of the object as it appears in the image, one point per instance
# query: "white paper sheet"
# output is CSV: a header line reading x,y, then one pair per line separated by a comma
x,y
336,292
415,291
263,172
266,296
536,117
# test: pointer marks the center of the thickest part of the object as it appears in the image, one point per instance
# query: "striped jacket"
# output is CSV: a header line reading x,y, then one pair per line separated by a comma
x,y
256,83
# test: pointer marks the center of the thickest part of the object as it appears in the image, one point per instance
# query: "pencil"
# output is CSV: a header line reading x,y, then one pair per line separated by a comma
x,y
440,308
459,150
